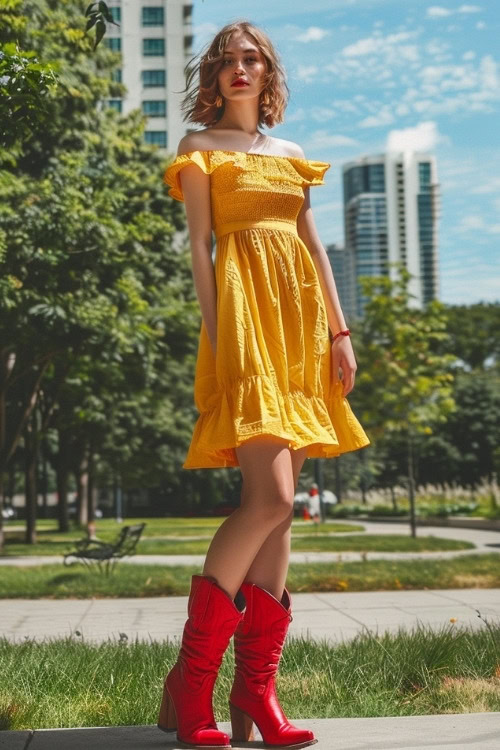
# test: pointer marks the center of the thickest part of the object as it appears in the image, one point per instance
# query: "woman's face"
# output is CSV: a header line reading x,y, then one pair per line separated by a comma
x,y
242,60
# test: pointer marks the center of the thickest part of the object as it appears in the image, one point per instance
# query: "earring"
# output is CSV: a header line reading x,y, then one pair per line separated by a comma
x,y
218,101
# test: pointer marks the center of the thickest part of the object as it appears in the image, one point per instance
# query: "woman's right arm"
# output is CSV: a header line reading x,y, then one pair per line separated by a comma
x,y
196,190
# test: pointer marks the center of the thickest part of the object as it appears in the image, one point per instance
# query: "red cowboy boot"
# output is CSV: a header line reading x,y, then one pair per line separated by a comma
x,y
258,644
187,694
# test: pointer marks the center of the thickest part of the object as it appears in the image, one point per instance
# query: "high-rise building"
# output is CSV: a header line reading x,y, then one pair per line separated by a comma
x,y
155,40
391,206
342,263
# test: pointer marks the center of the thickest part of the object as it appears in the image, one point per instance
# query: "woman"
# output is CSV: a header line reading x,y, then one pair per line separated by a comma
x,y
267,382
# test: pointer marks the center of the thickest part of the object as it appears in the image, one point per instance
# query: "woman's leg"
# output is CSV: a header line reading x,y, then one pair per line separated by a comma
x,y
270,566
267,502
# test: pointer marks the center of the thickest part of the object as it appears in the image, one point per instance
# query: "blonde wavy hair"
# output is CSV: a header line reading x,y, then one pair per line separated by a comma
x,y
203,69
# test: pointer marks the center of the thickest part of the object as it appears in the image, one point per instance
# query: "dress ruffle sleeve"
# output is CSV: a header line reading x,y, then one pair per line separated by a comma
x,y
171,176
311,172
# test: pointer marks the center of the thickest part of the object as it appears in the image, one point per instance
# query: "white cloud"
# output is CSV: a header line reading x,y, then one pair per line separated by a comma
x,y
470,223
306,73
475,223
297,116
480,25
489,74
383,117
436,11
321,139
377,43
422,137
320,114
445,89
490,186
312,34
470,55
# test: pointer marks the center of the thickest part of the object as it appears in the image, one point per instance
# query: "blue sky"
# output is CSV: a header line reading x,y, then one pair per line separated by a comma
x,y
363,73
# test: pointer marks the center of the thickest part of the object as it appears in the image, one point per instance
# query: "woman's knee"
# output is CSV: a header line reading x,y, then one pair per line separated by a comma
x,y
272,507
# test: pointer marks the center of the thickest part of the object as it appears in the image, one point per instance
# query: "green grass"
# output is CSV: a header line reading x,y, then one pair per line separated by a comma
x,y
156,538
67,683
165,537
377,543
57,582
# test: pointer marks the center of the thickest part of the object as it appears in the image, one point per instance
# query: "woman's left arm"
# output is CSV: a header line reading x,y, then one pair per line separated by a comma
x,y
342,351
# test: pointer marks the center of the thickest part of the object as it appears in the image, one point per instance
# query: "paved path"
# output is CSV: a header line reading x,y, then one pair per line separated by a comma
x,y
485,541
335,616
447,732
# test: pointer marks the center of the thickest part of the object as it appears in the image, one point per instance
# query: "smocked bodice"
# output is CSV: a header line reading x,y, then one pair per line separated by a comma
x,y
247,187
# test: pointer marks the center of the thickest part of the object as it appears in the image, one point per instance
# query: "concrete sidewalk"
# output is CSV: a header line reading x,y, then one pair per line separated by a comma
x,y
334,616
439,732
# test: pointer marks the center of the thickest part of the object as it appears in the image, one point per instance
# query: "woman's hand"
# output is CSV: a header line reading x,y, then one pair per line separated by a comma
x,y
343,358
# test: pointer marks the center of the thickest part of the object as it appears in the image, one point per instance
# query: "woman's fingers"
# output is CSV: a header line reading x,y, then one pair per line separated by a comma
x,y
335,364
348,375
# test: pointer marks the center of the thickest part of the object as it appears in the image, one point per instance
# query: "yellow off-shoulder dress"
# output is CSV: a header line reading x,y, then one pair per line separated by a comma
x,y
272,373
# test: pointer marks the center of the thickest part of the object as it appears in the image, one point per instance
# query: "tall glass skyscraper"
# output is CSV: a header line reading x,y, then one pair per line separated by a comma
x,y
391,204
342,263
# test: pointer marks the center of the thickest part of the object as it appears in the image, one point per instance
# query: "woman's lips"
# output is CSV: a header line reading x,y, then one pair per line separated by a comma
x,y
239,83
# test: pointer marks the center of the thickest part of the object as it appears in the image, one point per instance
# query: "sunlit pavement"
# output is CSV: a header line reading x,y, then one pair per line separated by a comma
x,y
335,616
437,732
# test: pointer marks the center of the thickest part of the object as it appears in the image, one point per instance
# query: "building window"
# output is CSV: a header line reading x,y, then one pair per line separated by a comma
x,y
115,104
114,43
153,47
154,107
116,13
153,78
156,138
116,75
152,16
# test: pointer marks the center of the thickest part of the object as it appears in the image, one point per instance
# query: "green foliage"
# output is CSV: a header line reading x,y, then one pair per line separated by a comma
x,y
99,320
474,332
25,85
404,382
98,15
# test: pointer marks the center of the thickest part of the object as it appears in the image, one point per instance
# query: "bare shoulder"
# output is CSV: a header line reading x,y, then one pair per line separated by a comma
x,y
287,148
194,141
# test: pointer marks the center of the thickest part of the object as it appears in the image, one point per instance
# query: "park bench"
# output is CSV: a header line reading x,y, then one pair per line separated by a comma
x,y
106,554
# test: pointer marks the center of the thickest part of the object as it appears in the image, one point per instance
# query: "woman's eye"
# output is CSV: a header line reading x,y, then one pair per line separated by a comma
x,y
252,59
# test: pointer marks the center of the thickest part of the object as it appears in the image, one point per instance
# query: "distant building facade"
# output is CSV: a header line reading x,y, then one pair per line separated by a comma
x,y
391,209
155,39
343,267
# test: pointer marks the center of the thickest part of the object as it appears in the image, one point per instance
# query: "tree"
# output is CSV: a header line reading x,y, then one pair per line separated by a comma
x,y
474,332
405,384
86,227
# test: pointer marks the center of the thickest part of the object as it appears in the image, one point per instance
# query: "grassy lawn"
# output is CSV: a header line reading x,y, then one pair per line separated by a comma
x,y
67,683
160,536
167,536
57,582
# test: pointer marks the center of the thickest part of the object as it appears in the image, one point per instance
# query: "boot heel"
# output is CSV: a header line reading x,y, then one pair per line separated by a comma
x,y
241,725
167,720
